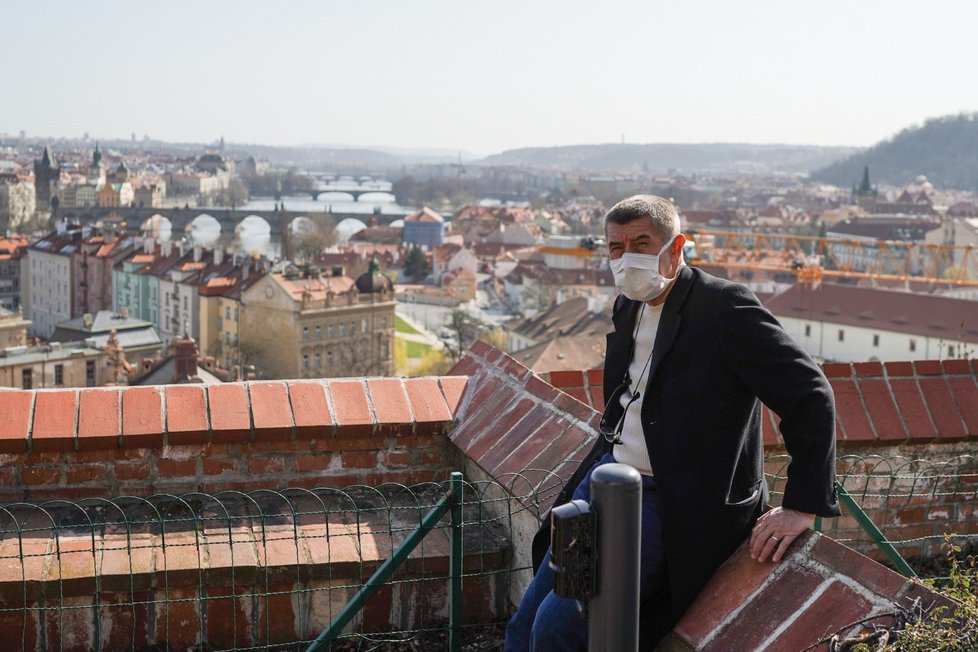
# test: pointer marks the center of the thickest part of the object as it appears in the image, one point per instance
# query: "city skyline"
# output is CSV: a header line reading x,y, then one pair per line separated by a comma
x,y
485,79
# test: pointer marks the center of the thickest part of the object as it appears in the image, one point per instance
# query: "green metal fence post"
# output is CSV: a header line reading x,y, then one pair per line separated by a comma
x,y
455,561
870,528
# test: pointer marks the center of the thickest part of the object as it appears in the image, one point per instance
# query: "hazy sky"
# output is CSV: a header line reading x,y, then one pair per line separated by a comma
x,y
487,76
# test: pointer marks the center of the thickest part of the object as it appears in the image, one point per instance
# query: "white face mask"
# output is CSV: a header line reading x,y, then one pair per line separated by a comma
x,y
638,277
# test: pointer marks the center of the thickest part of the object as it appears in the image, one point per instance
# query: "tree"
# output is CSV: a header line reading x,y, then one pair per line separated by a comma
x,y
416,265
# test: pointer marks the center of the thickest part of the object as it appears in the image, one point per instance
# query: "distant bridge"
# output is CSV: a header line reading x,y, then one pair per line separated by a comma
x,y
354,190
229,219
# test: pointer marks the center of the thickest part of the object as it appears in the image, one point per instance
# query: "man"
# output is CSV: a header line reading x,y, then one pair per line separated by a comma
x,y
690,360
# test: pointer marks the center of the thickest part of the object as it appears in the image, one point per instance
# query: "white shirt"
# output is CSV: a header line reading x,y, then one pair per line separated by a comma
x,y
632,450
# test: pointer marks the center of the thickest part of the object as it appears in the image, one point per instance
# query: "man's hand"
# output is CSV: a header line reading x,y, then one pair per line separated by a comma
x,y
774,532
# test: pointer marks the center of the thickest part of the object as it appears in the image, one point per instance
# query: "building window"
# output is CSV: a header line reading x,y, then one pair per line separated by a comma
x,y
90,373
950,351
913,345
319,361
383,322
227,312
305,332
842,335
876,340
329,358
27,378
808,330
59,374
305,361
363,326
319,333
342,329
329,330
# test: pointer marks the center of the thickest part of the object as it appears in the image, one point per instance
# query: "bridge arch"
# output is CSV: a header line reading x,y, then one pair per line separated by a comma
x,y
301,225
204,229
157,226
383,196
348,228
336,195
254,224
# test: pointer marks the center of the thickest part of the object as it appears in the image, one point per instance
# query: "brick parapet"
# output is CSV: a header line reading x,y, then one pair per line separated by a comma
x,y
138,440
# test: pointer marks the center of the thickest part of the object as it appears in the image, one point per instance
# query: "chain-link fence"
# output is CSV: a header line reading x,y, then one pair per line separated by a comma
x,y
267,570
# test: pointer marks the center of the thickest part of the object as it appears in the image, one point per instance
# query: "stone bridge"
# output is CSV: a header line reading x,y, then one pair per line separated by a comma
x,y
229,219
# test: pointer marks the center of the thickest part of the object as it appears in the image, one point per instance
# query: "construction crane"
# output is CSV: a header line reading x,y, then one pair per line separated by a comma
x,y
812,258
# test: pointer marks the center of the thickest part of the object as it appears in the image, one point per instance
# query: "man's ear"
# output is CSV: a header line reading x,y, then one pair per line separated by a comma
x,y
677,244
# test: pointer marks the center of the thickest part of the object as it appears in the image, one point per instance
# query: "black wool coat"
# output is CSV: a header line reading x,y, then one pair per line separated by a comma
x,y
718,354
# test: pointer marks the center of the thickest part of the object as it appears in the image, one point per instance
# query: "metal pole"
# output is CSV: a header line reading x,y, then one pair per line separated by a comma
x,y
616,496
455,561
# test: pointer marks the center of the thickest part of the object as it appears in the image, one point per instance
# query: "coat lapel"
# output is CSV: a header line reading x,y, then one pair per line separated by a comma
x,y
619,344
670,320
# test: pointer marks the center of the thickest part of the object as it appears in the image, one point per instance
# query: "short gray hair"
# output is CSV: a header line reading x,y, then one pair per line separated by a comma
x,y
660,212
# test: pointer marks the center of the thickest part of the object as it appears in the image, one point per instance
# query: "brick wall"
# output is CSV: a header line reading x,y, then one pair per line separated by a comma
x,y
75,444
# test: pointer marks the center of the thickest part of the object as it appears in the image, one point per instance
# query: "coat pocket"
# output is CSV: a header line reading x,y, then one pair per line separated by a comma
x,y
746,496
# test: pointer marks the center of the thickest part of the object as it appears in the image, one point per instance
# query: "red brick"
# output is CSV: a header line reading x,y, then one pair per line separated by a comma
x,y
142,417
266,465
579,394
390,403
485,427
430,458
956,366
561,379
230,412
15,426
768,428
868,369
99,419
882,410
927,367
211,466
966,396
778,603
79,473
186,414
319,462
836,608
540,389
352,444
132,471
837,370
735,581
453,387
351,408
850,411
310,410
559,449
270,411
874,576
54,421
176,468
912,409
358,460
481,348
431,413
942,408
899,368
524,441
34,475
397,458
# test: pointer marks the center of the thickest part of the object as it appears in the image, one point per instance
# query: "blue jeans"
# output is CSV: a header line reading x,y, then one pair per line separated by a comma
x,y
546,622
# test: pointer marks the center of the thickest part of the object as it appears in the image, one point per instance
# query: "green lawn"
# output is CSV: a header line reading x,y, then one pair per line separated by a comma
x,y
402,326
416,349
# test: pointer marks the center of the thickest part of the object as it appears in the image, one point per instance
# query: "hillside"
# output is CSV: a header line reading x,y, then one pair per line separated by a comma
x,y
944,149
661,157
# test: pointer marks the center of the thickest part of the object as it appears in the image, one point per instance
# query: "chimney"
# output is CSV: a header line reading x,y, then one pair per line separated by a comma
x,y
218,255
185,358
198,253
124,312
244,272
109,235
87,320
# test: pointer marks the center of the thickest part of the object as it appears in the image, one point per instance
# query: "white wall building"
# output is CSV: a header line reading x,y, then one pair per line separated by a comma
x,y
50,279
841,323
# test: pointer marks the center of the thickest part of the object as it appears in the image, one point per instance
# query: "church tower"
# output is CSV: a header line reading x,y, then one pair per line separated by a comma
x,y
47,175
97,173
866,195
